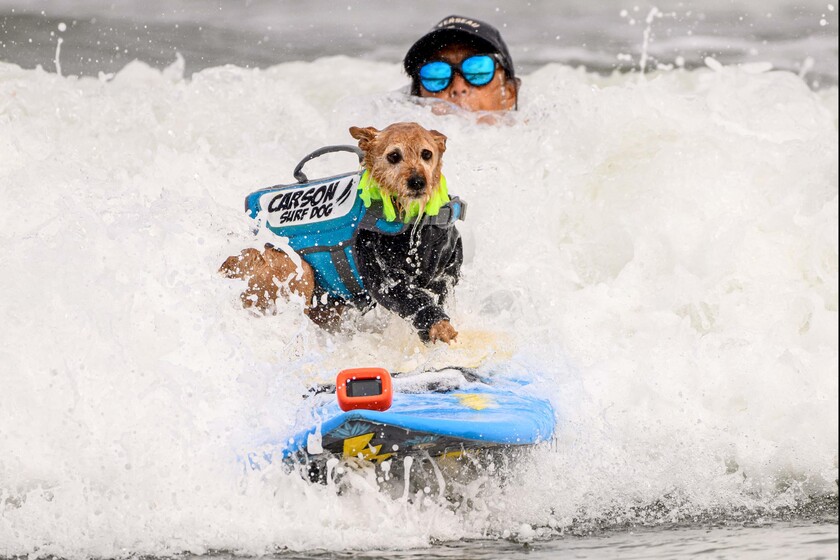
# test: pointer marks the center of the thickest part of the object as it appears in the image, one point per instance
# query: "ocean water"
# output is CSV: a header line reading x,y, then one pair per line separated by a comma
x,y
102,35
657,251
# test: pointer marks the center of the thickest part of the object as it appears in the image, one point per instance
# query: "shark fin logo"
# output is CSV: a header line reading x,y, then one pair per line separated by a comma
x,y
343,196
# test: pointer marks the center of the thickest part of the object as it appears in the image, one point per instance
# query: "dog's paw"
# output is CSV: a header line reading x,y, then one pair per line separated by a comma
x,y
443,331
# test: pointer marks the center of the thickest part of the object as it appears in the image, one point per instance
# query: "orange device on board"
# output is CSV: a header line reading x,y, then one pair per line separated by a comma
x,y
368,388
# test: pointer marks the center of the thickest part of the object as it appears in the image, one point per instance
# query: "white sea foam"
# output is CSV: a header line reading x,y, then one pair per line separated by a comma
x,y
660,254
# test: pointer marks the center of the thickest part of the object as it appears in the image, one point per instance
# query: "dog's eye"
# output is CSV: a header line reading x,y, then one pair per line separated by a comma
x,y
394,157
426,154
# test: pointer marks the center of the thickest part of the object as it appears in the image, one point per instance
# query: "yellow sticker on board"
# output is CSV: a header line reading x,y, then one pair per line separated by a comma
x,y
359,446
475,401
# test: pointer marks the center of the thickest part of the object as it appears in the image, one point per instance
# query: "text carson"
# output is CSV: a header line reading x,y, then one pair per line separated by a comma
x,y
297,205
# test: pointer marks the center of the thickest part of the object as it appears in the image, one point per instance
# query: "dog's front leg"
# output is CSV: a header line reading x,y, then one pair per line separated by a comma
x,y
269,274
398,293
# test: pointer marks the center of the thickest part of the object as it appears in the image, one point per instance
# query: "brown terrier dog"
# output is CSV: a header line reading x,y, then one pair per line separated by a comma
x,y
410,272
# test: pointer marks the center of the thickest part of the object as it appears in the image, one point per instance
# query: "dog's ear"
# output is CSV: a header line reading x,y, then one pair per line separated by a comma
x,y
364,135
440,140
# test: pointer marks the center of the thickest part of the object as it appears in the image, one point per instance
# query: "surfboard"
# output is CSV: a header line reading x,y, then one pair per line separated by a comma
x,y
440,413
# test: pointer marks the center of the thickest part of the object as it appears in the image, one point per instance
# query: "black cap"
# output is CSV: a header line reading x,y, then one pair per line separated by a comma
x,y
458,29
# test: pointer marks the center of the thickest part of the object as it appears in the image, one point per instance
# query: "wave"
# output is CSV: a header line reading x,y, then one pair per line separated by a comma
x,y
657,252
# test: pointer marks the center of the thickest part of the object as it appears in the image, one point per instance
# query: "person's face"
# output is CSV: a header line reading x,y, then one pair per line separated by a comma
x,y
498,95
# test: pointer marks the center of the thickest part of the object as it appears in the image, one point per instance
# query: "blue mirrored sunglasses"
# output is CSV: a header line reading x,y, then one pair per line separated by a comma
x,y
477,70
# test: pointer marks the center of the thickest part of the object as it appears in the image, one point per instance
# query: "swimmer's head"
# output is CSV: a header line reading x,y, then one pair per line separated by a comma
x,y
464,61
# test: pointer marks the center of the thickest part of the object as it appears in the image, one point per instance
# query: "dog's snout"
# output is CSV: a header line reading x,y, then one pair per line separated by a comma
x,y
416,182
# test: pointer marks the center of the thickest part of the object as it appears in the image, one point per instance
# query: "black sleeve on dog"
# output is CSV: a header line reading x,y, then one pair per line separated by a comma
x,y
412,283
426,317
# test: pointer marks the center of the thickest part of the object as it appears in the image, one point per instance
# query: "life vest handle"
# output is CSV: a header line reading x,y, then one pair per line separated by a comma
x,y
298,172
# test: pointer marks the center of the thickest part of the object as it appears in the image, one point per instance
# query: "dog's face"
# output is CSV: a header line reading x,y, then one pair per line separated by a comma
x,y
404,158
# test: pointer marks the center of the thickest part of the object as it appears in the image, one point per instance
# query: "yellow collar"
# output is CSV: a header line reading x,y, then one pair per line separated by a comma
x,y
369,191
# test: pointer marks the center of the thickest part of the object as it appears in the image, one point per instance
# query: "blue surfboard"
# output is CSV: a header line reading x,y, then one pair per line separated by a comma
x,y
443,413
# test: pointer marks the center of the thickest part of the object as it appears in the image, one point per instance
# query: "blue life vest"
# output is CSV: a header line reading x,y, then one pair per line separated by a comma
x,y
320,218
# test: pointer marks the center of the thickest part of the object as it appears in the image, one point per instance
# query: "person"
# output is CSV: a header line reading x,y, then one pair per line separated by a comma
x,y
466,62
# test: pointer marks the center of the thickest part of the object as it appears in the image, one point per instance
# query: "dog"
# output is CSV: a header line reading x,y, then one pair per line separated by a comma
x,y
410,273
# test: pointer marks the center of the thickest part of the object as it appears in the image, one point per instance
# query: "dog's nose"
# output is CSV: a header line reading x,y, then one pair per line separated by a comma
x,y
416,182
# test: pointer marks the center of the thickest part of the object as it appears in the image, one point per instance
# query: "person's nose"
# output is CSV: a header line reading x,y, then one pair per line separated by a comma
x,y
459,86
